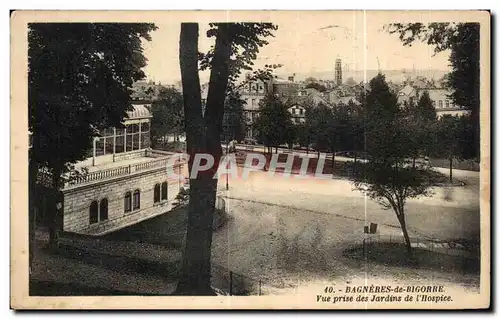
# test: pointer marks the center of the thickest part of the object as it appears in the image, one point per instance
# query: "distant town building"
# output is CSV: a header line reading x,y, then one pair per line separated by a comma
x,y
439,96
307,98
298,113
252,92
284,88
334,98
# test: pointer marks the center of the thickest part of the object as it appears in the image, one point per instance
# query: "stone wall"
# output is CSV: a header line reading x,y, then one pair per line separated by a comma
x,y
77,201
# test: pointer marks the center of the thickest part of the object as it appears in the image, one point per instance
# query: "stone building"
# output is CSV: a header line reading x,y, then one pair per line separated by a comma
x,y
298,114
252,92
439,96
284,88
123,182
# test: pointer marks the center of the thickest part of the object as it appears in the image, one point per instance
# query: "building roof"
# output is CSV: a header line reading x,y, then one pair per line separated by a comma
x,y
140,111
406,90
282,81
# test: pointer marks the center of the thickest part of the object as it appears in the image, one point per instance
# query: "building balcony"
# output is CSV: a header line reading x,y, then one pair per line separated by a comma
x,y
122,165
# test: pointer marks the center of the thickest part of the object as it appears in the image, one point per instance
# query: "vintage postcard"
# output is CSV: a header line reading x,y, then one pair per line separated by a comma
x,y
250,160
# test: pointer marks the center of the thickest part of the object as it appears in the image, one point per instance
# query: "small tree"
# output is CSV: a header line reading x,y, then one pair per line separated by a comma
x,y
233,123
454,140
356,127
322,128
168,115
420,118
274,123
387,178
391,184
301,136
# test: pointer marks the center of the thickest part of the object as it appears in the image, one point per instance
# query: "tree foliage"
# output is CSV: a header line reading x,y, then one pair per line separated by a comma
x,y
80,77
350,126
168,114
322,127
274,124
420,122
383,132
234,121
79,81
245,41
463,40
453,139
387,177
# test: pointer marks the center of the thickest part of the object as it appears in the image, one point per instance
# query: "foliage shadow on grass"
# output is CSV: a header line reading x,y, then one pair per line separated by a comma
x,y
395,254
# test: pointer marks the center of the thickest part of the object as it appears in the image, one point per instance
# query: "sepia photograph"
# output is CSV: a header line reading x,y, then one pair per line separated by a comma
x,y
250,160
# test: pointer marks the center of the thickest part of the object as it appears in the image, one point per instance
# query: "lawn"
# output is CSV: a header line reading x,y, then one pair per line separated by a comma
x,y
286,246
339,169
283,234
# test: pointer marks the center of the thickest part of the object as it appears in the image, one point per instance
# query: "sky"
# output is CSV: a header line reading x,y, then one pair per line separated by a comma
x,y
305,42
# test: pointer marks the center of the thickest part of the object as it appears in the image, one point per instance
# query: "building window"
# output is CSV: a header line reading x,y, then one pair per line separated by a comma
x,y
137,199
440,104
447,102
120,140
103,210
99,146
108,145
301,111
157,193
164,190
253,102
94,212
145,135
128,202
132,137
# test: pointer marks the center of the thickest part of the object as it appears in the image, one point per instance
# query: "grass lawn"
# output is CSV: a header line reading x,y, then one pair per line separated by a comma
x,y
290,247
339,169
281,233
142,259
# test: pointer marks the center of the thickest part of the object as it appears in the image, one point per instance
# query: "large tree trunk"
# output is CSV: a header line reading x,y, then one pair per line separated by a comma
x,y
195,275
202,136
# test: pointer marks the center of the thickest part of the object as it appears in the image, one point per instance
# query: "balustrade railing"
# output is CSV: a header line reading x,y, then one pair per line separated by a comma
x,y
120,171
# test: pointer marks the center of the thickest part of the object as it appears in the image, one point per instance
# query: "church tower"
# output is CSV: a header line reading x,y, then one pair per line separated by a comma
x,y
338,71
